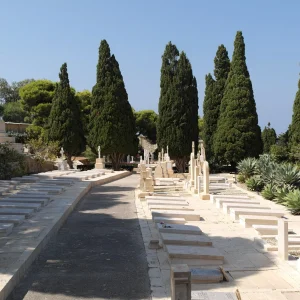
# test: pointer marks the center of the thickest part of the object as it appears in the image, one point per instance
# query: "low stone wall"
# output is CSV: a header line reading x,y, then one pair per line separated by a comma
x,y
35,166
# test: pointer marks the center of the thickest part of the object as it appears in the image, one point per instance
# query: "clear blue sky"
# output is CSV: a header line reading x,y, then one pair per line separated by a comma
x,y
38,36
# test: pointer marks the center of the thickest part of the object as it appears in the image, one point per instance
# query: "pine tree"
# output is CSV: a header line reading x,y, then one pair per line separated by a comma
x,y
213,98
64,121
112,123
268,137
238,134
294,132
177,124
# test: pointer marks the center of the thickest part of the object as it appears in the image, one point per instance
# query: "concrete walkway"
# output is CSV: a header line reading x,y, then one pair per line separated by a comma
x,y
98,253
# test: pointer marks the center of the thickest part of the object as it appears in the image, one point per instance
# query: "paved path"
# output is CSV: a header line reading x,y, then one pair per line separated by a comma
x,y
98,253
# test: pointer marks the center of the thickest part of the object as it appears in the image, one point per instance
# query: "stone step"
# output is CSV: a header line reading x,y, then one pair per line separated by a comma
x,y
267,229
206,276
236,212
169,220
14,219
187,215
170,207
214,197
220,202
248,221
8,204
178,229
167,202
17,211
228,206
194,255
185,239
6,228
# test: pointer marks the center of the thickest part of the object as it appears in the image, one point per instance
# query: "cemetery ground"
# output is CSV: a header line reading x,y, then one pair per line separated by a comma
x,y
101,251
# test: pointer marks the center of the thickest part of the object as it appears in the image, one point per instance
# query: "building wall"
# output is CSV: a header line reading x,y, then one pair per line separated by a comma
x,y
16,127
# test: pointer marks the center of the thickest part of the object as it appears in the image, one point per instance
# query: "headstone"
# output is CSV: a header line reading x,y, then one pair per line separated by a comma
x,y
283,231
128,158
99,152
132,161
181,287
205,194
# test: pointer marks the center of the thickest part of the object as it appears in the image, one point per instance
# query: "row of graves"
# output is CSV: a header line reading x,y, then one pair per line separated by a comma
x,y
192,256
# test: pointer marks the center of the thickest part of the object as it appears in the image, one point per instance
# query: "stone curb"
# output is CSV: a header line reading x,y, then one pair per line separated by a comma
x,y
13,275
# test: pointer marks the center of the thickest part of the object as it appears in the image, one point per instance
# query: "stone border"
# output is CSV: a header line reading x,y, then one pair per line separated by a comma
x,y
15,272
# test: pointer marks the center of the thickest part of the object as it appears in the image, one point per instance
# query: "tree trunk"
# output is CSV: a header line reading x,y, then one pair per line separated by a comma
x,y
180,164
69,160
116,160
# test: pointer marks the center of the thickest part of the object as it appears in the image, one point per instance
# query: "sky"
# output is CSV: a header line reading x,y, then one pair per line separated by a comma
x,y
39,36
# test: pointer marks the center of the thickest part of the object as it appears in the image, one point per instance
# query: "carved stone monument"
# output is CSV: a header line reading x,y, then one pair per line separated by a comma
x,y
99,161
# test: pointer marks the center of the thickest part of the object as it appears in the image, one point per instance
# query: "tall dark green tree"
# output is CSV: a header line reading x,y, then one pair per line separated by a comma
x,y
268,137
213,98
112,123
238,135
64,121
177,124
294,131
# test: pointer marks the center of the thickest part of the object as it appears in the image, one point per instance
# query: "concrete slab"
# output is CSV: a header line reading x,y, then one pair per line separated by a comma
x,y
266,229
228,206
43,201
219,202
6,228
179,229
7,204
14,219
203,295
185,239
16,211
170,207
236,212
248,221
214,197
175,198
167,202
32,193
206,275
187,215
169,220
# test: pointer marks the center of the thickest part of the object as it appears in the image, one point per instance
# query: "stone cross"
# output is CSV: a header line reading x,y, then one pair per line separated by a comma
x,y
203,151
193,147
168,150
62,152
162,154
99,152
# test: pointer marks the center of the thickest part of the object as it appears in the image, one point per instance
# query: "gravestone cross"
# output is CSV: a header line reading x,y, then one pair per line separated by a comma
x,y
99,152
62,152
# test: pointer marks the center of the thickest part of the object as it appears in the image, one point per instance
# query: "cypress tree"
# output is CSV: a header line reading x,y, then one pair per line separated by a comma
x,y
213,98
177,124
112,123
64,121
294,131
268,137
238,135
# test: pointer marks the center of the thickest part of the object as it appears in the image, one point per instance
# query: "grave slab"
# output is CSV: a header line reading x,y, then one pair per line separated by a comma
x,y
169,220
188,216
214,197
175,198
15,219
43,201
206,275
248,221
203,295
185,239
178,228
236,212
7,204
16,211
220,202
170,207
227,206
6,228
164,202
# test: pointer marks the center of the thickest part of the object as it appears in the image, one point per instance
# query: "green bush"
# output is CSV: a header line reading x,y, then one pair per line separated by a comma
x,y
293,202
12,163
241,178
281,192
268,192
254,183
246,167
287,174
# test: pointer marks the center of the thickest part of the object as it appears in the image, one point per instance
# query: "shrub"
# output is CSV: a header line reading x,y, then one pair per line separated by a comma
x,y
12,163
266,168
20,136
281,192
293,201
287,174
268,192
255,184
241,178
246,167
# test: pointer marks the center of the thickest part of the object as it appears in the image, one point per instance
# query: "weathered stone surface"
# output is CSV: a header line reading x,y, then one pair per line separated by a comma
x,y
227,206
15,219
220,202
235,212
43,201
6,228
16,211
177,228
206,275
248,221
185,239
170,207
169,220
189,216
7,204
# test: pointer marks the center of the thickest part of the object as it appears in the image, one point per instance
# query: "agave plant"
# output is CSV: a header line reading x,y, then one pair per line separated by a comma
x,y
246,167
268,192
266,168
293,202
287,174
281,192
255,183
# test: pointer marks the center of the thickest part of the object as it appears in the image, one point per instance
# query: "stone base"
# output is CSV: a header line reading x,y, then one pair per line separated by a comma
x,y
204,196
99,164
